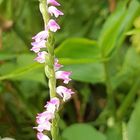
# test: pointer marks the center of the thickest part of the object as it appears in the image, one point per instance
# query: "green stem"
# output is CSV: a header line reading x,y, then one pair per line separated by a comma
x,y
128,100
50,64
43,10
49,68
50,47
111,102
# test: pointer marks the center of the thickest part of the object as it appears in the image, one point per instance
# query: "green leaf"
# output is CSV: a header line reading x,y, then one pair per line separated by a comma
x,y
25,73
114,133
68,61
113,33
91,73
23,68
134,124
79,48
82,57
82,132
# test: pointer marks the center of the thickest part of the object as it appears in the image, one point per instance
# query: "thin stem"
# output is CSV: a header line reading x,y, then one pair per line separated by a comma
x,y
50,64
43,10
49,68
111,102
128,100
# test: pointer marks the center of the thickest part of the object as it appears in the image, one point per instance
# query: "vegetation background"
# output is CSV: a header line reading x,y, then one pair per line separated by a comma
x,y
99,42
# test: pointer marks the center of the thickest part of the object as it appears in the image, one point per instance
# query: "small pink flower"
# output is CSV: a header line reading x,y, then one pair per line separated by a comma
x,y
64,92
44,126
41,136
53,26
38,45
54,11
41,36
52,105
44,116
53,2
41,57
64,75
57,66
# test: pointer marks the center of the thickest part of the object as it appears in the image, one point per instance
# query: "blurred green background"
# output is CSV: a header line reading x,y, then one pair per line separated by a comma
x,y
99,42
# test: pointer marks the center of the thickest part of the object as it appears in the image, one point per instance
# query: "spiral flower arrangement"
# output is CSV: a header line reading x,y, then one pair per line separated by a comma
x,y
43,46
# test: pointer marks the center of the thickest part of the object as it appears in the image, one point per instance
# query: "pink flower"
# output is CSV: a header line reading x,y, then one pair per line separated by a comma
x,y
54,11
64,75
41,36
41,57
38,45
64,92
52,105
41,136
53,26
43,126
45,116
57,66
53,2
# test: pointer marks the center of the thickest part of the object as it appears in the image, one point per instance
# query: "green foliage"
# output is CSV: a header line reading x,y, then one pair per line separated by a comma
x,y
133,125
22,69
79,54
129,70
79,49
105,69
76,131
92,73
118,23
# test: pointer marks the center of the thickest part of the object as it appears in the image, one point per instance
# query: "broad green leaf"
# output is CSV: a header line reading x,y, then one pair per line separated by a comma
x,y
78,48
29,72
113,33
82,132
23,68
81,56
114,132
68,61
134,124
91,73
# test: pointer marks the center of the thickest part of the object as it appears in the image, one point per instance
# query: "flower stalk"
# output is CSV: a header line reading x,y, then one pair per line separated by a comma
x,y
48,120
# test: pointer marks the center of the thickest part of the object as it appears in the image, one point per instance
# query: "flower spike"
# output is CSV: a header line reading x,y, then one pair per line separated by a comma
x,y
46,121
